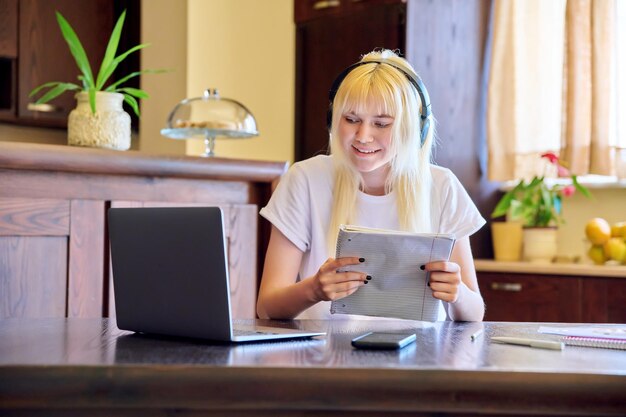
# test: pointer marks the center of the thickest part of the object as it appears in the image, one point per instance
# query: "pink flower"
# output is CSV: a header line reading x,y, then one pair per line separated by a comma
x,y
551,157
562,171
568,190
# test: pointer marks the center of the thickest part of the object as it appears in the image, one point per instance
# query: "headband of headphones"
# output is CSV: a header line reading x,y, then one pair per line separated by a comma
x,y
414,80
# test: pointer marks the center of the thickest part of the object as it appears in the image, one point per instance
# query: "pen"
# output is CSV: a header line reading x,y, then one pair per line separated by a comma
x,y
535,343
476,334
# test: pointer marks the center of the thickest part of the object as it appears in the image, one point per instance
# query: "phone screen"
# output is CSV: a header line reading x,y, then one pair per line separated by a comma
x,y
383,340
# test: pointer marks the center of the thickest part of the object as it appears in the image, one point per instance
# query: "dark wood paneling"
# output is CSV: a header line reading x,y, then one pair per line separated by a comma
x,y
44,55
93,186
604,300
37,157
324,47
8,28
58,190
446,44
556,298
527,297
8,58
33,276
305,10
242,247
86,260
34,217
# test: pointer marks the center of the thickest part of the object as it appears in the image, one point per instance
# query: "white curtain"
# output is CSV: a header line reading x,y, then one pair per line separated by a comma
x,y
554,85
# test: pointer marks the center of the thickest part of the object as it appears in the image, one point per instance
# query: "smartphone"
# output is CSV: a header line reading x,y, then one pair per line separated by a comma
x,y
383,340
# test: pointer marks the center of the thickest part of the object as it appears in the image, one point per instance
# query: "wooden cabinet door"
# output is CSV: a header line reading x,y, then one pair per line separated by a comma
x,y
51,262
604,300
44,55
324,47
526,297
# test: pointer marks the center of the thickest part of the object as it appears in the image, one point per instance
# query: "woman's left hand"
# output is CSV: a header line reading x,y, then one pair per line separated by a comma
x,y
445,279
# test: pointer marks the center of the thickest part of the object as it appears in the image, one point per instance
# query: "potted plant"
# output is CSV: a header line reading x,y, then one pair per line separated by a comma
x,y
98,119
536,205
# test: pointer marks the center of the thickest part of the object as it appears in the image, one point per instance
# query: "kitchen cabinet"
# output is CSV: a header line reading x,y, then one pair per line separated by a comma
x,y
444,40
54,256
553,298
33,52
331,35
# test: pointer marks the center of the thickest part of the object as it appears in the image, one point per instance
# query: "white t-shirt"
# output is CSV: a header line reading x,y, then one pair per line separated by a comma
x,y
302,203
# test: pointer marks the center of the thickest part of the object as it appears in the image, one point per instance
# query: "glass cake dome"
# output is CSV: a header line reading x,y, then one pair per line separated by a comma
x,y
208,117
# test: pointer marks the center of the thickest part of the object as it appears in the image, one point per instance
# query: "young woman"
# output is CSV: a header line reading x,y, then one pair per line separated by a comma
x,y
377,175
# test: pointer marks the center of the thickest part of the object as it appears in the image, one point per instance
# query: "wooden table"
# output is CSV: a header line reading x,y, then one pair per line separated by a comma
x,y
77,366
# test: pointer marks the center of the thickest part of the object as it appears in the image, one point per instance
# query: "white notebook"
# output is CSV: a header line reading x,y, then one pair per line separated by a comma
x,y
398,287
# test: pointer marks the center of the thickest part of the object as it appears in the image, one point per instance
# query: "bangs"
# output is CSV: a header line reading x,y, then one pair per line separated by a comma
x,y
369,87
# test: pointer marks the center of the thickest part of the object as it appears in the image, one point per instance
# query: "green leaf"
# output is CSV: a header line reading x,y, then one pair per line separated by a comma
x,y
85,84
132,103
109,54
580,187
113,87
92,100
111,67
36,90
76,48
504,204
56,91
135,92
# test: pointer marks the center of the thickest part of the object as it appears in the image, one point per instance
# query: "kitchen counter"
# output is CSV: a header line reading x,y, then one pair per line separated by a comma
x,y
54,257
611,271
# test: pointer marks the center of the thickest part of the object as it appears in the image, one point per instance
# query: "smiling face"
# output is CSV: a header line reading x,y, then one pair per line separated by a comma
x,y
365,134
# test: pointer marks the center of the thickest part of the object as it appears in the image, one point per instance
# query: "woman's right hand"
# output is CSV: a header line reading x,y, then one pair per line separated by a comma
x,y
331,284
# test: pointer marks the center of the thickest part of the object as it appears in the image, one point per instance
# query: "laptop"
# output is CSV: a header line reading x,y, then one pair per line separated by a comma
x,y
170,275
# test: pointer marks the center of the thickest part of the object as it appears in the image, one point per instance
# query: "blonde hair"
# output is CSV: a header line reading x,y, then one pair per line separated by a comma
x,y
409,173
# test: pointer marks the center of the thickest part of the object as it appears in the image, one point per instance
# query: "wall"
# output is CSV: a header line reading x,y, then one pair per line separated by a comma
x,y
164,26
246,49
608,203
15,133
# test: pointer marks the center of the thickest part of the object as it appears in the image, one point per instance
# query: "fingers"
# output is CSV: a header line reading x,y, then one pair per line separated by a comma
x,y
442,266
334,284
445,278
333,264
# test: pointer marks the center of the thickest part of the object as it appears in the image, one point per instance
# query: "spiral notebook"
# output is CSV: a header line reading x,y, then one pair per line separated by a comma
x,y
398,287
608,336
596,342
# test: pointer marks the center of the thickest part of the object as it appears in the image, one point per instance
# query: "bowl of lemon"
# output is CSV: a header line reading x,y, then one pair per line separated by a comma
x,y
608,241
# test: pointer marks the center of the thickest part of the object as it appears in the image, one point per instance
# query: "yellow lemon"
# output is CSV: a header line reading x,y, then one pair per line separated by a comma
x,y
618,229
615,248
596,254
598,231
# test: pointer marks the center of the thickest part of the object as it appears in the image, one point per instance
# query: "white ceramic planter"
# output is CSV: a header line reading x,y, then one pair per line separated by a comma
x,y
540,244
108,128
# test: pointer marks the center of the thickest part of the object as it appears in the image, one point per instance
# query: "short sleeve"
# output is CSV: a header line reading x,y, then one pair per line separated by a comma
x,y
289,208
459,214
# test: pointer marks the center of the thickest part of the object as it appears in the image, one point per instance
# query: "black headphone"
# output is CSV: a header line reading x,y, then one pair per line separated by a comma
x,y
414,80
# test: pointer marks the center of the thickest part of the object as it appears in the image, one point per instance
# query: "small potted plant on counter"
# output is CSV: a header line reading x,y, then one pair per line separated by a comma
x,y
99,119
537,205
